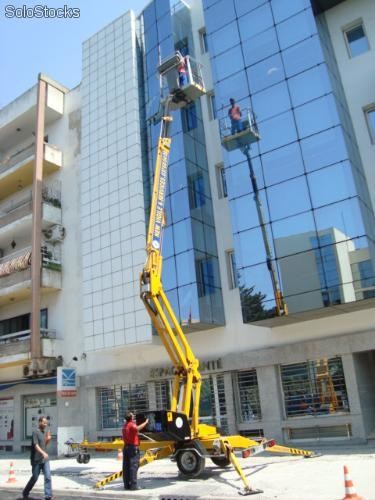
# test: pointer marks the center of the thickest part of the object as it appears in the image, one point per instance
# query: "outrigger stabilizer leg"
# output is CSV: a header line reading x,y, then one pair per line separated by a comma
x,y
248,490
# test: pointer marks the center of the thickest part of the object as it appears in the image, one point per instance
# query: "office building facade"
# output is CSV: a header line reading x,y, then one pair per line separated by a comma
x,y
284,219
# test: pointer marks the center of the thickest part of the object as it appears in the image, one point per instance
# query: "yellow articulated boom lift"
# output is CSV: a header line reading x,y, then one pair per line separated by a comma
x,y
177,432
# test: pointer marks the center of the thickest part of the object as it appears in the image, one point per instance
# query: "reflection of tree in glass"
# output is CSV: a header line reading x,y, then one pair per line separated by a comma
x,y
252,305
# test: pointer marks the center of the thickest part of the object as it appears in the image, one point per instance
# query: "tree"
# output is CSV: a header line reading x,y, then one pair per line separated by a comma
x,y
252,305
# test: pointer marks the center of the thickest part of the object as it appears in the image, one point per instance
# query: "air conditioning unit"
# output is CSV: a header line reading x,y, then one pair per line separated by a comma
x,y
55,233
41,367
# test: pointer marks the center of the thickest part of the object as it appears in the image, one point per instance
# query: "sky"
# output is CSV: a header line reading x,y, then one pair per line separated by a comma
x,y
29,46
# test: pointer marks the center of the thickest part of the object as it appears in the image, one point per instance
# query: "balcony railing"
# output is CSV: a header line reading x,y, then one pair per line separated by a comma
x,y
45,333
11,160
21,260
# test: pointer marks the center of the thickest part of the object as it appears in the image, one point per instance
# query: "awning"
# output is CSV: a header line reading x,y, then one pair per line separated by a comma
x,y
32,381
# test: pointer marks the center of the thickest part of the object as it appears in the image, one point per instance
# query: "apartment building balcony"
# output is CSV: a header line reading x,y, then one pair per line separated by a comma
x,y
16,171
17,119
16,216
15,347
15,274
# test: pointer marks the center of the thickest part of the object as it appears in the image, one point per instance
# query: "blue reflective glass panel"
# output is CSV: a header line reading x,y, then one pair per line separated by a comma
x,y
219,14
309,85
149,16
324,149
271,102
254,280
244,6
287,234
164,28
282,164
296,29
283,9
235,86
277,132
260,46
169,273
162,7
331,184
177,176
316,116
288,198
244,212
266,73
185,268
180,205
345,216
224,39
228,64
250,247
255,22
168,244
151,38
188,301
302,56
238,178
182,236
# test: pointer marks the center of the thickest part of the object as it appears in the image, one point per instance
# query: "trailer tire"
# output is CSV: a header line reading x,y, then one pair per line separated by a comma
x,y
86,458
190,463
221,461
80,458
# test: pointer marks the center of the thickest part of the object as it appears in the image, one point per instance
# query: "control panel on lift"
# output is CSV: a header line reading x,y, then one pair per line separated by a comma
x,y
165,425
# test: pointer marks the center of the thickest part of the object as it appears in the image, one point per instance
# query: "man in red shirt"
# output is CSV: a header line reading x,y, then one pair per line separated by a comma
x,y
130,462
235,114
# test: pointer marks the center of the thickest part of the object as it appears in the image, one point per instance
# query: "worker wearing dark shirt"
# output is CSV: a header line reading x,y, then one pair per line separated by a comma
x,y
40,460
130,462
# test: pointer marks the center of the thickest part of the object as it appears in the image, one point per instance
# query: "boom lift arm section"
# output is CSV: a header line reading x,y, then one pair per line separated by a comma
x,y
187,379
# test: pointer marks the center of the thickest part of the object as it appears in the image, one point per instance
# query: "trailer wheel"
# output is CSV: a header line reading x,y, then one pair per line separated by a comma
x,y
86,458
80,458
221,461
190,463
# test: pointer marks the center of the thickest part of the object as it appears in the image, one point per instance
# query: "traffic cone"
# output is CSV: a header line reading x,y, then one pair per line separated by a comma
x,y
119,454
12,475
349,488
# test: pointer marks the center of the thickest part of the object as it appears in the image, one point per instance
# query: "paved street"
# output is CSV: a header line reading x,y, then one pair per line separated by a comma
x,y
281,477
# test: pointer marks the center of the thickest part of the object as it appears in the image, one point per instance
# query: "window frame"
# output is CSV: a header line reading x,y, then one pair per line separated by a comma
x,y
371,130
350,27
230,258
222,188
212,115
203,40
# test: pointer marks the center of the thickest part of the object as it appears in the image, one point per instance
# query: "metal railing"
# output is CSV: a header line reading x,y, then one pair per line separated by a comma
x,y
247,123
45,333
11,160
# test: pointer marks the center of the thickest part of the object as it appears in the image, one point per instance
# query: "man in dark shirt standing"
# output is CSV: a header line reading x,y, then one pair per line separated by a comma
x,y
40,460
130,462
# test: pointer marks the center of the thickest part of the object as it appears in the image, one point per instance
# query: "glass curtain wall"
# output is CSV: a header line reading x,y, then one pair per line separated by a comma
x,y
190,263
273,57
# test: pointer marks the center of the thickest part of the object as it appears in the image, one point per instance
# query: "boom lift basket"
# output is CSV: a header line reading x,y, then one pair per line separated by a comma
x,y
188,93
246,133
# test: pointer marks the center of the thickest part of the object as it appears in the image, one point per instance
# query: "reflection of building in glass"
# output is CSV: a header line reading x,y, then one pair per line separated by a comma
x,y
323,270
302,68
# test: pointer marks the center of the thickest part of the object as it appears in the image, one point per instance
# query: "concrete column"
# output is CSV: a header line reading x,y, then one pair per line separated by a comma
x,y
18,423
358,425
230,403
270,401
151,394
89,409
35,343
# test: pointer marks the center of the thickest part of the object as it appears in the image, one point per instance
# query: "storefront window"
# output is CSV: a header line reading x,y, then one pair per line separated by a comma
x,y
247,396
314,388
115,401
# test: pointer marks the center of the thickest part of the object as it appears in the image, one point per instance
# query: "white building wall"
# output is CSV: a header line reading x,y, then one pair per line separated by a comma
x,y
112,204
357,74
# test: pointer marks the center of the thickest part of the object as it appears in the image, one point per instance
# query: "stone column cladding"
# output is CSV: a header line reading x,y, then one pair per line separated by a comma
x,y
270,401
230,403
358,428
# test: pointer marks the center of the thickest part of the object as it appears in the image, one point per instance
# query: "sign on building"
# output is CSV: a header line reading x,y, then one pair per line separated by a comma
x,y
6,419
66,382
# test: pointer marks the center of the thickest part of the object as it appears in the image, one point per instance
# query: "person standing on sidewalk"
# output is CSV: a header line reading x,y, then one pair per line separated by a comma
x,y
130,462
40,460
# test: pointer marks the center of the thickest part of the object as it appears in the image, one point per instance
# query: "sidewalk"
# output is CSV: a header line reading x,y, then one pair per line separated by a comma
x,y
281,477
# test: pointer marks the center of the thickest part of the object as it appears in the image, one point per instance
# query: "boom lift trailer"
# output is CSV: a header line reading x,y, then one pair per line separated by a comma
x,y
177,432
